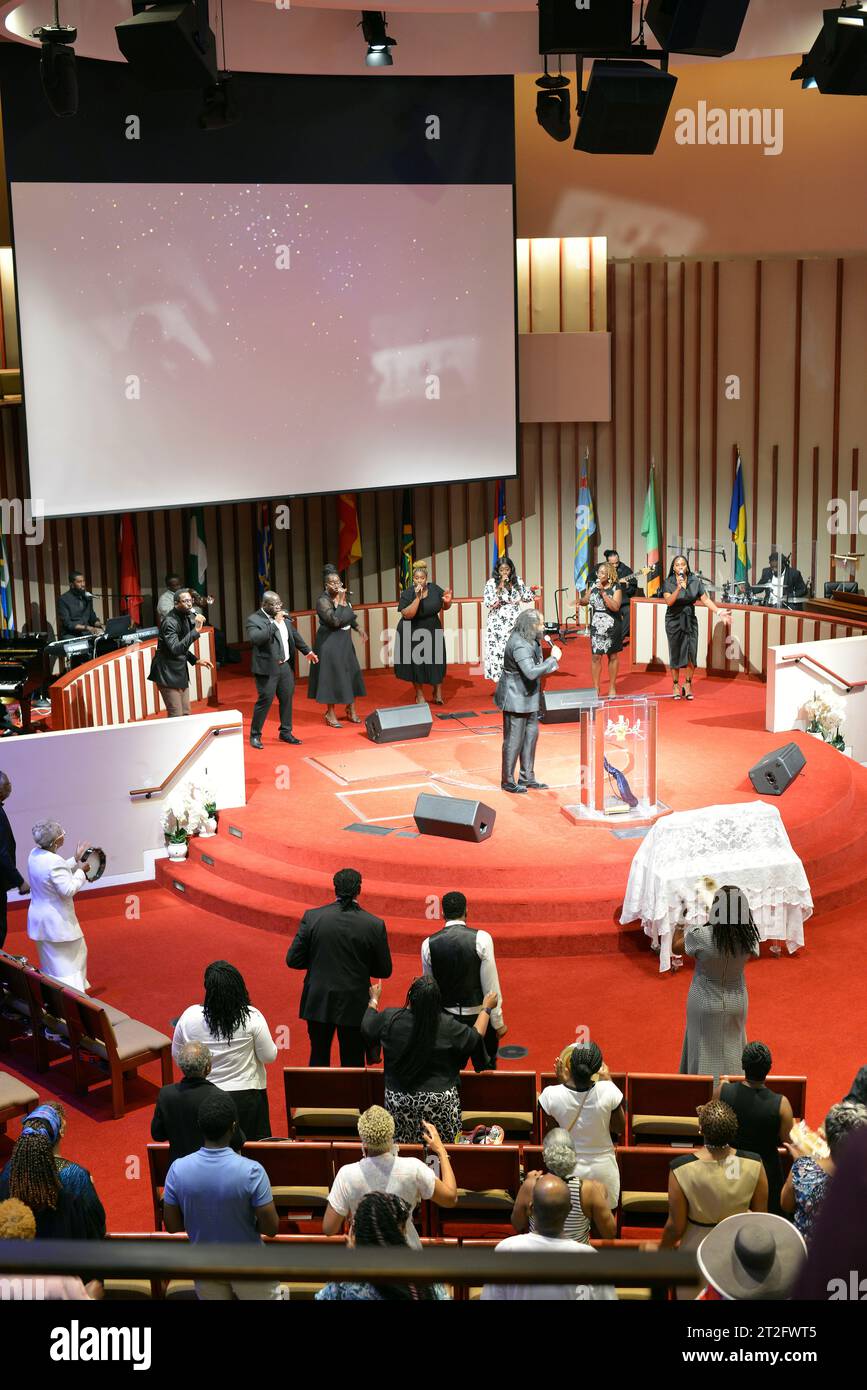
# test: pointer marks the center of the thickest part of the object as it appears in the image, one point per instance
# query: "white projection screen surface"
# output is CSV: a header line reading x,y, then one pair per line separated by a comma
x,y
196,342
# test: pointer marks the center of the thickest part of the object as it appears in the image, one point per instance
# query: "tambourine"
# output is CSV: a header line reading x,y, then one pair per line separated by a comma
x,y
93,863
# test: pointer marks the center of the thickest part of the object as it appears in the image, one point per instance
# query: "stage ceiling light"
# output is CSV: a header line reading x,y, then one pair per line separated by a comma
x,y
599,27
220,108
624,108
837,62
374,27
553,105
706,28
170,47
57,65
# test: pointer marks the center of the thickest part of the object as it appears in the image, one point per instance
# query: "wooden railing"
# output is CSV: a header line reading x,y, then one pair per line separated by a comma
x,y
115,688
215,730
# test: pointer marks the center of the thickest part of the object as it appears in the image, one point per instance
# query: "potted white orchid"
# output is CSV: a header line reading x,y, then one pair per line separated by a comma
x,y
183,816
206,802
825,713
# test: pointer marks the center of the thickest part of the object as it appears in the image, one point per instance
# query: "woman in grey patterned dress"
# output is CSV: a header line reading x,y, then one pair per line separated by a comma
x,y
716,1006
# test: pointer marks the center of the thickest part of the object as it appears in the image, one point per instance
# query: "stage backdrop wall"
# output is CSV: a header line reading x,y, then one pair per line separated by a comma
x,y
792,331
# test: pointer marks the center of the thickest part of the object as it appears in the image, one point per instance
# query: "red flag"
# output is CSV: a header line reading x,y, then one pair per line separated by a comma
x,y
349,546
130,582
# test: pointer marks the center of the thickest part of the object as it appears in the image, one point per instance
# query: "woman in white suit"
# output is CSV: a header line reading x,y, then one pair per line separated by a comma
x,y
51,919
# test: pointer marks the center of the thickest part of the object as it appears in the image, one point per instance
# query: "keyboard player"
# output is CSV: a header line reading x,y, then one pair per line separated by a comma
x,y
77,617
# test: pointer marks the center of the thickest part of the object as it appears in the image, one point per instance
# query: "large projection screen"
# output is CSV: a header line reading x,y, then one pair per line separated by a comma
x,y
235,341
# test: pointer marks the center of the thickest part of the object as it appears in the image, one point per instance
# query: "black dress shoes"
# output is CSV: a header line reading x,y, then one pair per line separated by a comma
x,y
289,738
537,786
255,741
513,787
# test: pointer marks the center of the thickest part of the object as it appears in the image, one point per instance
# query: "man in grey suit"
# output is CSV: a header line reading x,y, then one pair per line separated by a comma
x,y
517,695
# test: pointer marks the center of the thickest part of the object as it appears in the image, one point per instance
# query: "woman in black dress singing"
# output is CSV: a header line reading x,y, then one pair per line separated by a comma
x,y
682,590
604,598
337,679
420,655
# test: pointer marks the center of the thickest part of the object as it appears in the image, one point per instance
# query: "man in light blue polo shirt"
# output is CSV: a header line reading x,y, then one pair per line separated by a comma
x,y
218,1197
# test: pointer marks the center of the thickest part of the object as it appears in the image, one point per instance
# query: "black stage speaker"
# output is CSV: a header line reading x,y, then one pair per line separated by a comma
x,y
565,706
624,109
777,770
598,28
170,47
454,817
400,722
710,28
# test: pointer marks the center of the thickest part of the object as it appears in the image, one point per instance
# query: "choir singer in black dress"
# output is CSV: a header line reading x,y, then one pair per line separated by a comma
x,y
682,590
420,649
337,679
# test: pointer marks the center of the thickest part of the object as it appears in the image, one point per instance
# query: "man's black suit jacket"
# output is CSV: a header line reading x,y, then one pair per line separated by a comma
x,y
176,1117
175,652
266,645
341,948
9,875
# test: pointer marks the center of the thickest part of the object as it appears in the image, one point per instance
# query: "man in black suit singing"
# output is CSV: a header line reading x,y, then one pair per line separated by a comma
x,y
341,947
274,642
518,695
9,875
170,668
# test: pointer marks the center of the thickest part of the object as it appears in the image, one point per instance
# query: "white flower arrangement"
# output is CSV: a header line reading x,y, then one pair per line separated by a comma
x,y
825,713
186,813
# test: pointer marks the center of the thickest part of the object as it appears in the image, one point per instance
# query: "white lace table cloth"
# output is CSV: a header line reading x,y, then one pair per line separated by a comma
x,y
745,845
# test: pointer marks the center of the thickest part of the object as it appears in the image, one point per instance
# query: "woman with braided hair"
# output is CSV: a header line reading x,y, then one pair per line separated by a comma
x,y
716,1006
381,1220
60,1193
240,1043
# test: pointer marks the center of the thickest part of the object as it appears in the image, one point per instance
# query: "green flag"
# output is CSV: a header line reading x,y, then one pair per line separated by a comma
x,y
407,542
650,532
197,554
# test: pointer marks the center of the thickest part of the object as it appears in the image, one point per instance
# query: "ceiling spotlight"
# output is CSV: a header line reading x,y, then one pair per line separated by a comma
x,y
220,108
837,62
57,65
706,28
374,27
170,47
553,111
624,108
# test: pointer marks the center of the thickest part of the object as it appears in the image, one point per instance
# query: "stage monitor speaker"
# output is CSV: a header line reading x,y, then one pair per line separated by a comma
x,y
624,109
170,47
597,28
565,706
777,770
399,722
708,28
454,817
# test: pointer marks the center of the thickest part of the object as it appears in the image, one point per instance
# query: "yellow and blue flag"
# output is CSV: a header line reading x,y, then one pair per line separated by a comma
x,y
585,525
501,527
738,524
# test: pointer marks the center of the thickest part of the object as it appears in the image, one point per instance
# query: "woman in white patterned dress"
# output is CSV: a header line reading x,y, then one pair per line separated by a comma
x,y
604,598
504,598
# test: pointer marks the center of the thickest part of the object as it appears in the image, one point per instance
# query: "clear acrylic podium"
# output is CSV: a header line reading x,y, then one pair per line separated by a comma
x,y
617,774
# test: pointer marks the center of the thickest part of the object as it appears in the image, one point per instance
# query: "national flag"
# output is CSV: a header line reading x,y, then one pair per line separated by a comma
x,y
407,543
264,548
585,525
197,555
130,578
5,589
650,532
349,536
501,527
738,525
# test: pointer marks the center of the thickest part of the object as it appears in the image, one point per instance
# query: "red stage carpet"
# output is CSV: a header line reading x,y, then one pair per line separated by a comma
x,y
550,891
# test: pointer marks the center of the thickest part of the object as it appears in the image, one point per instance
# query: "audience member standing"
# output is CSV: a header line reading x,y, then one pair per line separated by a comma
x,y
240,1043
176,1116
806,1187
51,919
589,1107
383,1170
220,1198
9,875
381,1219
424,1049
550,1209
341,947
716,1006
60,1193
461,960
589,1199
17,1222
765,1117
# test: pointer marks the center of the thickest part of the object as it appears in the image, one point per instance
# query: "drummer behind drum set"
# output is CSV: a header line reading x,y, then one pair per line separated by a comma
x,y
51,918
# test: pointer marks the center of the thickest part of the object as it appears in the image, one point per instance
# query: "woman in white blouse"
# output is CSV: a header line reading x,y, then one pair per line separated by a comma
x,y
504,598
51,919
240,1043
589,1107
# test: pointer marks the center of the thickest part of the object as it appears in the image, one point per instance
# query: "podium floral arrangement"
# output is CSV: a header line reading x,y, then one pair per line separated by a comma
x,y
825,713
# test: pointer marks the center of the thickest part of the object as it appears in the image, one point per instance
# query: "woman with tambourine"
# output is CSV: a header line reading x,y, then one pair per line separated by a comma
x,y
51,919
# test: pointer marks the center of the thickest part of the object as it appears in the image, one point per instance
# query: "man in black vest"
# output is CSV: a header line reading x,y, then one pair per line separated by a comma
x,y
176,1117
274,642
9,875
461,960
341,947
170,667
